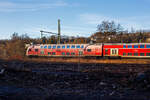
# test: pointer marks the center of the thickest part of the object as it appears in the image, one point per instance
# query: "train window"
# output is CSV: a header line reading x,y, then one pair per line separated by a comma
x,y
53,53
124,54
73,46
135,54
58,47
80,52
129,54
72,53
135,46
141,54
141,46
36,50
78,46
67,53
68,46
124,46
45,47
147,54
54,47
41,47
129,46
30,50
49,47
42,52
49,53
106,50
63,46
89,50
82,46
147,46
63,53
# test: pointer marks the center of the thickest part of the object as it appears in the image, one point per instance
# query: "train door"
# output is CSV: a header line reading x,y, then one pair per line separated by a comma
x,y
114,52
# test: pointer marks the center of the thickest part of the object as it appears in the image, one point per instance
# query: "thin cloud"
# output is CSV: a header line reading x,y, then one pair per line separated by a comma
x,y
137,22
12,7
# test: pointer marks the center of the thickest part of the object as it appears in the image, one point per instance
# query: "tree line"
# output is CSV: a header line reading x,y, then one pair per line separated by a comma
x,y
107,32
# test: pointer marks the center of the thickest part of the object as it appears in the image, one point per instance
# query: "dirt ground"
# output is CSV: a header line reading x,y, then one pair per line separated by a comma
x,y
37,80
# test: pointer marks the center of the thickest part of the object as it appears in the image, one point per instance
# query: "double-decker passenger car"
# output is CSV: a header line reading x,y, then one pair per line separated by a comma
x,y
128,50
64,50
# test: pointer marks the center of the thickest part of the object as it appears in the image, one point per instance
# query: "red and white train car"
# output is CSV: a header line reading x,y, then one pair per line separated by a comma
x,y
64,50
134,50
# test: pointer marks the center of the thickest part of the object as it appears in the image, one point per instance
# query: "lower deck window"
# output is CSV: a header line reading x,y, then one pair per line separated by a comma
x,y
129,54
147,54
42,52
72,53
67,53
135,54
36,50
141,54
89,50
106,50
63,53
124,54
53,53
80,53
49,53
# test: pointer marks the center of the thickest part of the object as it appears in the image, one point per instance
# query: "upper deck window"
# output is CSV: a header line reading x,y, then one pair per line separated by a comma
x,y
78,46
41,47
129,46
147,46
73,46
82,46
124,46
49,47
141,46
58,47
45,47
135,46
63,46
54,47
68,46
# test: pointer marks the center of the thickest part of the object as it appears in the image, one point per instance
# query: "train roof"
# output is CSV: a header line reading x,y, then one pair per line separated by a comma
x,y
126,43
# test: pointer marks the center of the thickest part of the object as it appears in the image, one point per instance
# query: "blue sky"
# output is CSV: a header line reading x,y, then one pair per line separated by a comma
x,y
78,17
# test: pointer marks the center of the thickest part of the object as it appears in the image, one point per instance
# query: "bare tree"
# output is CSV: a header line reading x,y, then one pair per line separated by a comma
x,y
109,28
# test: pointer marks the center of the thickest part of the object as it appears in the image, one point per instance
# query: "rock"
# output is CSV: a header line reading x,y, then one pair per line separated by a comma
x,y
102,83
2,71
140,77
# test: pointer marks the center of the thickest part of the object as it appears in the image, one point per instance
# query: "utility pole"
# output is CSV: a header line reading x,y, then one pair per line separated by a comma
x,y
41,34
58,41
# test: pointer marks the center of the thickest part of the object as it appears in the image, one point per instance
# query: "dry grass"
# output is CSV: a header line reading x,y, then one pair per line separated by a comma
x,y
83,60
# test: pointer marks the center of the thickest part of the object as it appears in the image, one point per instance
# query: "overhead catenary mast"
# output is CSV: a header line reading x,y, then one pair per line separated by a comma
x,y
58,34
58,41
